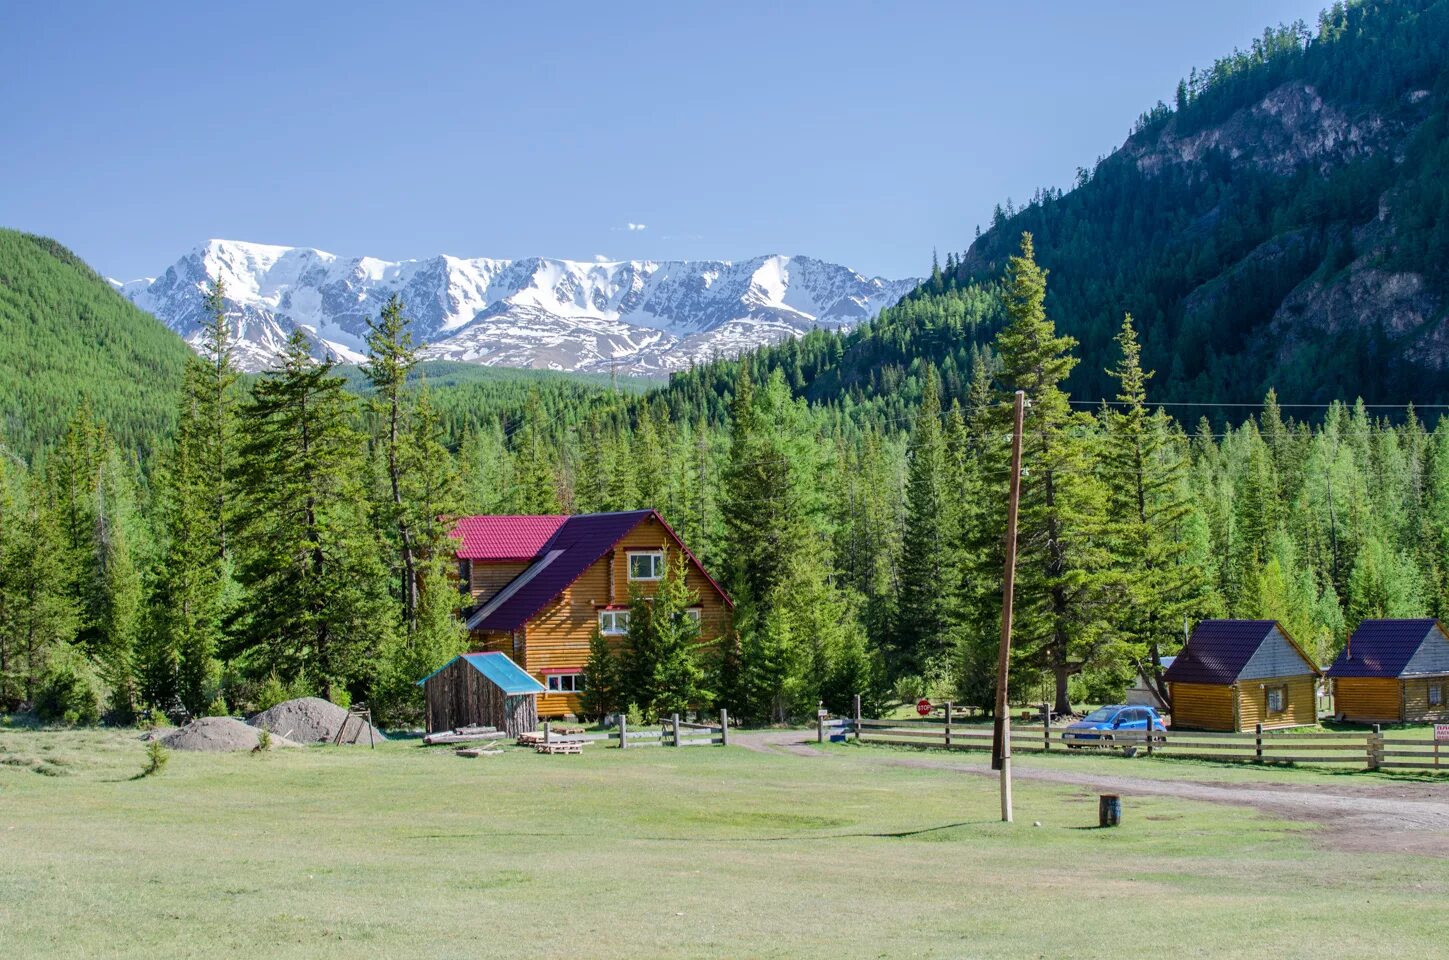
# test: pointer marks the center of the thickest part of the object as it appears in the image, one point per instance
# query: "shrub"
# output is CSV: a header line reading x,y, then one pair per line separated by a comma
x,y
217,707
69,692
156,757
264,741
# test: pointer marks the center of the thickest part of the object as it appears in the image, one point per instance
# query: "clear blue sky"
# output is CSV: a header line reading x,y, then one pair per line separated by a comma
x,y
866,133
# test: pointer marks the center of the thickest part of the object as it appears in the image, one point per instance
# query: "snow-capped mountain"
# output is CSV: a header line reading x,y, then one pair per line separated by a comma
x,y
643,316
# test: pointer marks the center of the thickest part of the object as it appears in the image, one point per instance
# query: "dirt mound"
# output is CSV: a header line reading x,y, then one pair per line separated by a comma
x,y
310,719
219,734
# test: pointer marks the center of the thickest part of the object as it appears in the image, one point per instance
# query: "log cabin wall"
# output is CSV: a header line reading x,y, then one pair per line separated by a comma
x,y
1300,705
1202,706
1368,699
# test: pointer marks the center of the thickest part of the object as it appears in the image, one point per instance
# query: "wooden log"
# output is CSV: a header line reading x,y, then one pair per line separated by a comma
x,y
857,717
724,727
623,731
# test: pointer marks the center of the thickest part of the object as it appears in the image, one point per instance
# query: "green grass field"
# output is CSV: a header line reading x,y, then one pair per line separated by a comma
x,y
704,852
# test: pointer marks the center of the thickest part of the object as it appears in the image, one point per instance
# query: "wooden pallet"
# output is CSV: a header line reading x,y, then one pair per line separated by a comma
x,y
561,746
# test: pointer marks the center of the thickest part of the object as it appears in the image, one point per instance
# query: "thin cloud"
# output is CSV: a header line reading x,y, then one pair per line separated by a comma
x,y
637,227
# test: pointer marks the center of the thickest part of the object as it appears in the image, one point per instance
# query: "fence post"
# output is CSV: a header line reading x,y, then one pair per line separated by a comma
x,y
1151,735
623,731
948,724
1375,747
674,720
857,718
724,727
1258,742
819,725
1046,727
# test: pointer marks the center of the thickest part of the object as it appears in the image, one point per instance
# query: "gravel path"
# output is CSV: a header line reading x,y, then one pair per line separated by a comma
x,y
1401,817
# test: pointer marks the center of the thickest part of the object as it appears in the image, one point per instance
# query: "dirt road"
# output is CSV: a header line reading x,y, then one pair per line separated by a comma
x,y
1382,816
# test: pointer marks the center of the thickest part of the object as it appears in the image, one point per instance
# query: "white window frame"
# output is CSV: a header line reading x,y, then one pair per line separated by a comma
x,y
556,682
658,565
696,614
1282,692
618,621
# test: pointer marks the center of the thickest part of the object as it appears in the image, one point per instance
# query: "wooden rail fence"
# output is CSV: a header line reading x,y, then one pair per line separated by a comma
x,y
1370,750
673,732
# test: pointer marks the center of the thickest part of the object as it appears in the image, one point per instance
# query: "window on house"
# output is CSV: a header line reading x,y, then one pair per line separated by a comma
x,y
566,683
465,576
1436,694
695,614
613,623
1277,699
646,565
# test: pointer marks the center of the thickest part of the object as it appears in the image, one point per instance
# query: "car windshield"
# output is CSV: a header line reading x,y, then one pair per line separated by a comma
x,y
1101,715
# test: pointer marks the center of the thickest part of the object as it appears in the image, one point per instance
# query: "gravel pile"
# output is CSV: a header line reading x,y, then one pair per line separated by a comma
x,y
218,735
312,719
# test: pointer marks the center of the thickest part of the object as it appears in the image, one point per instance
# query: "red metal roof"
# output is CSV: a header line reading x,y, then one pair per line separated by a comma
x,y
498,538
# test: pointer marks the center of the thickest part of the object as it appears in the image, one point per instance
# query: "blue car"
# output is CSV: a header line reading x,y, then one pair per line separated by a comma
x,y
1102,726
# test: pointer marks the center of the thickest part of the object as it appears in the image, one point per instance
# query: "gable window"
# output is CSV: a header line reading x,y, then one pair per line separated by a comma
x,y
1436,694
1277,698
566,683
646,565
613,623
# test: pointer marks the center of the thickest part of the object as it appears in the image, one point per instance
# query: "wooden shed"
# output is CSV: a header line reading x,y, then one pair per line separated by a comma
x,y
1235,674
481,688
1393,671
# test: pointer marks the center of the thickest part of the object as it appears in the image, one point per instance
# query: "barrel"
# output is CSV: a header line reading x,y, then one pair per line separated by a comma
x,y
1109,810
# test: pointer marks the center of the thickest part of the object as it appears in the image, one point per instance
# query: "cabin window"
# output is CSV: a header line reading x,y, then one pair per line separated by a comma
x,y
646,565
566,683
695,614
1277,698
613,623
1436,694
465,576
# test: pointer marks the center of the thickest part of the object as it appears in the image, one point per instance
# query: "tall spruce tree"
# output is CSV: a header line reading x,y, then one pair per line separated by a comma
x,y
1064,579
1148,505
925,615
317,600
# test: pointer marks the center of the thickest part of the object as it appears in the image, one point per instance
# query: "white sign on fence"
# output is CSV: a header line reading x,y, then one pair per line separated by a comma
x,y
1441,733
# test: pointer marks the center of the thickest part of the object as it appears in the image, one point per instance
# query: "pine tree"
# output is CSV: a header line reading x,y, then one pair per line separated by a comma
x,y
391,357
925,616
603,686
119,588
43,619
317,599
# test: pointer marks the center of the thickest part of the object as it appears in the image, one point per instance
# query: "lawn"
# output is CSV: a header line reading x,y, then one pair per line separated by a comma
x,y
407,851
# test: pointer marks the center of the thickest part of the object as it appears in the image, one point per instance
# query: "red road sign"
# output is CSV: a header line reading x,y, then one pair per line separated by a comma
x,y
923,706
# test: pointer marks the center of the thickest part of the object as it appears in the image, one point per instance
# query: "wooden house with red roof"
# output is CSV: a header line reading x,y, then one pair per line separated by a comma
x,y
1393,671
1235,674
539,586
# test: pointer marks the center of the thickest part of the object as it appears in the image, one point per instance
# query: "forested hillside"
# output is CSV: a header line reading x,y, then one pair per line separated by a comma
x,y
1283,223
66,336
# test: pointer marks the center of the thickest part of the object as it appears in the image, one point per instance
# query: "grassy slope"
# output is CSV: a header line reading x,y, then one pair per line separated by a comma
x,y
410,852
65,335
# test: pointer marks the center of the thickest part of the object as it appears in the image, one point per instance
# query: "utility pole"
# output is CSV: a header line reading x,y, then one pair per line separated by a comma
x,y
1001,757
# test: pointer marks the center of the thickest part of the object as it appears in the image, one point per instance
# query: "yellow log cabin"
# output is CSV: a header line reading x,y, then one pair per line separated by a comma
x,y
1393,671
1236,674
539,586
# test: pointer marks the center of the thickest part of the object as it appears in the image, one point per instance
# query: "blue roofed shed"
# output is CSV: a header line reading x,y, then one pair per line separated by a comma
x,y
485,689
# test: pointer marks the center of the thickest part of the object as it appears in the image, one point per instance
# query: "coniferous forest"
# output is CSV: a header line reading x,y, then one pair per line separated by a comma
x,y
176,537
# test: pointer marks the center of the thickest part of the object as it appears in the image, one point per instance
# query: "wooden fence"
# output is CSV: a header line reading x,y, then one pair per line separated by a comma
x,y
1370,749
673,732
